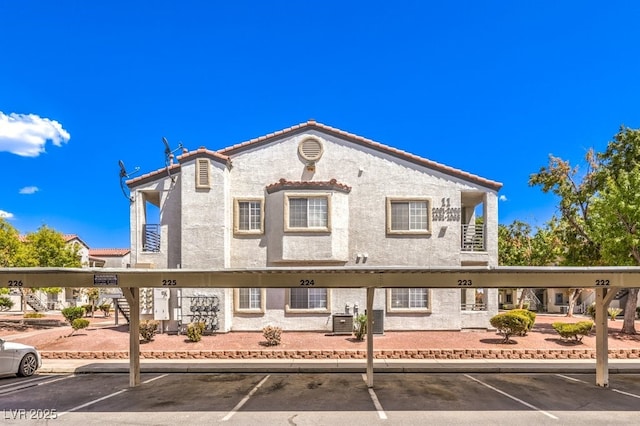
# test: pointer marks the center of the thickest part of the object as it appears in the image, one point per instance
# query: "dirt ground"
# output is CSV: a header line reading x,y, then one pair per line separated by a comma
x,y
103,335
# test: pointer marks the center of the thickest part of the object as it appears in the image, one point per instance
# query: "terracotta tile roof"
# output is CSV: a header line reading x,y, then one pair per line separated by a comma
x,y
286,184
109,252
174,169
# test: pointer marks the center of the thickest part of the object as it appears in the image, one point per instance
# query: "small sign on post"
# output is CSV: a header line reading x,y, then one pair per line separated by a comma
x,y
105,280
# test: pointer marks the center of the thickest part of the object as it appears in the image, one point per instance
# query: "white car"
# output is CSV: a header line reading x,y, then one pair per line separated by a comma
x,y
16,358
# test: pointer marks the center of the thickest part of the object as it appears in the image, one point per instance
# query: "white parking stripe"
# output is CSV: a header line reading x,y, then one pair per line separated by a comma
x,y
533,407
244,400
376,402
626,393
573,379
107,396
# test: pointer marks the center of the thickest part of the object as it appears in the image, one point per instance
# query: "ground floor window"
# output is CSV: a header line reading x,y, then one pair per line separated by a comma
x,y
249,299
399,299
474,299
308,298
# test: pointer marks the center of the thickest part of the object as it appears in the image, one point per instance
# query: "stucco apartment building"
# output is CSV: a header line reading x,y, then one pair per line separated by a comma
x,y
313,195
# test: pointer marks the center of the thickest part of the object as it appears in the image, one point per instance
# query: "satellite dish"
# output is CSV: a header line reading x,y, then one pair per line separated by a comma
x,y
124,176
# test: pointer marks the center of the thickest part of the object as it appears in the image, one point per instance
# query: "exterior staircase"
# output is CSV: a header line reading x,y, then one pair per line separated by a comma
x,y
124,308
35,303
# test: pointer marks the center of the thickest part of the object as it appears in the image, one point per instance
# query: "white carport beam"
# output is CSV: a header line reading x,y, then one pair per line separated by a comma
x,y
133,298
370,293
604,296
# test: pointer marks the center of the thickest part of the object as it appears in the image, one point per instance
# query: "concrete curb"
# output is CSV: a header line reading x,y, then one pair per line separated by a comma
x,y
336,366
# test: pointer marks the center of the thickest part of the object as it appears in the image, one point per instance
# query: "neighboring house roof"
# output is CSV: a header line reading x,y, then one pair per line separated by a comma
x,y
106,252
226,153
71,237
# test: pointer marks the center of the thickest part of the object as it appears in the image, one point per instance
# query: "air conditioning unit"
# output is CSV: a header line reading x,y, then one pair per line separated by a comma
x,y
378,321
342,324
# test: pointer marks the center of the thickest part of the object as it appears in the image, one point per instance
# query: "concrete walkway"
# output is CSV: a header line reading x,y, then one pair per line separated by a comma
x,y
81,366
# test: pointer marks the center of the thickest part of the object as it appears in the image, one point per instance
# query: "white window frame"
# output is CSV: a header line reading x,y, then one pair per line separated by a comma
x,y
203,173
392,308
409,200
323,310
236,216
290,195
250,310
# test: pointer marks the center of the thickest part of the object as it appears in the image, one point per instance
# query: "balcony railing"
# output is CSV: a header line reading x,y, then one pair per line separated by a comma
x,y
472,238
151,238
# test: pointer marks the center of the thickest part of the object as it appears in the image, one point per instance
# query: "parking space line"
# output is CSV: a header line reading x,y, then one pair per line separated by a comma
x,y
376,401
573,379
35,381
86,404
245,399
626,393
533,407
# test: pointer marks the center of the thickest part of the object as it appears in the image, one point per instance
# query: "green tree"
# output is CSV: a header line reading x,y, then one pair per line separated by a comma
x,y
599,208
518,245
11,248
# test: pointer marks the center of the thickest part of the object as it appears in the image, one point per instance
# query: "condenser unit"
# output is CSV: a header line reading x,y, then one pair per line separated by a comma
x,y
342,324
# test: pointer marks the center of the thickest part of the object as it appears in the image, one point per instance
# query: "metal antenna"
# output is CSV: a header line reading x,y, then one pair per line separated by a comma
x,y
168,156
124,176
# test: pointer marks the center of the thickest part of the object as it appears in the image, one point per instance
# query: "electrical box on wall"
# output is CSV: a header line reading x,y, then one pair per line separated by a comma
x,y
160,304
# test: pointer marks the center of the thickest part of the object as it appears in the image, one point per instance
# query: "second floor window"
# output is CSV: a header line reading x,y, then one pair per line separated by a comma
x,y
248,216
408,216
307,213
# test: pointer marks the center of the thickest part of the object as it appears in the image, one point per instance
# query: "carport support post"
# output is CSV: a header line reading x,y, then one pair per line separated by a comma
x,y
370,293
132,294
603,298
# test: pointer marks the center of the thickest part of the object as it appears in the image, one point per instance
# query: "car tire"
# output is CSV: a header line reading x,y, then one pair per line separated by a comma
x,y
28,365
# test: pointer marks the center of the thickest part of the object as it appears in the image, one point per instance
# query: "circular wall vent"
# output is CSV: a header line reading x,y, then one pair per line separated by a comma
x,y
310,149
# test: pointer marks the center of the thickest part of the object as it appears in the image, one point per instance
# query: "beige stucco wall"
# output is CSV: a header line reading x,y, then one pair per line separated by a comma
x,y
197,228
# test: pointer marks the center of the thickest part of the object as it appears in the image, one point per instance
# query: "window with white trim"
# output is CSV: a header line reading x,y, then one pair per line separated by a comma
x,y
403,299
249,299
408,216
307,212
248,216
308,298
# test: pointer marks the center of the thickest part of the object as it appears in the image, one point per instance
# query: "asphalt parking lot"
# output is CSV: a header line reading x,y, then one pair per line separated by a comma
x,y
319,399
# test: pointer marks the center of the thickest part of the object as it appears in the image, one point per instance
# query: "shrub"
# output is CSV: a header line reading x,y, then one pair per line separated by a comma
x,y
33,315
591,311
509,324
360,327
105,308
72,312
148,330
88,309
573,331
272,334
5,303
194,331
529,314
613,313
78,324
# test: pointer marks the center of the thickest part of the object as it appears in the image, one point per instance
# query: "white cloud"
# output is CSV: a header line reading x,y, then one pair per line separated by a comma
x,y
28,190
5,215
503,198
26,134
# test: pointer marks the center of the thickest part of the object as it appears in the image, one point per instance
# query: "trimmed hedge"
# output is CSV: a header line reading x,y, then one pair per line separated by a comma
x,y
511,323
573,331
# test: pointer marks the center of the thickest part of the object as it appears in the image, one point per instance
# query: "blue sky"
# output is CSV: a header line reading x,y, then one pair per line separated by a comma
x,y
489,87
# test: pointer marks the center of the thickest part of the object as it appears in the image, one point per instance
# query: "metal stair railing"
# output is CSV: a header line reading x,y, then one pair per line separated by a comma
x,y
35,303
